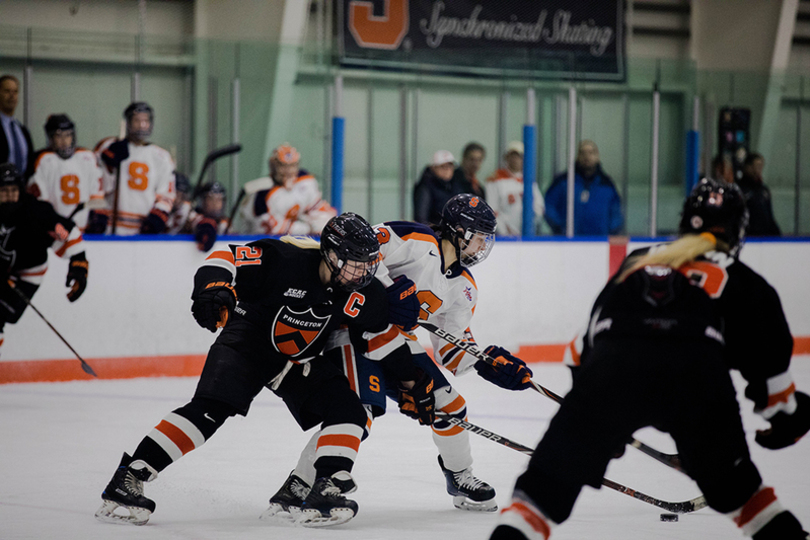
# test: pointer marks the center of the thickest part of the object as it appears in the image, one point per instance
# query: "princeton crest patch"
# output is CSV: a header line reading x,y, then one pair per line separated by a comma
x,y
294,332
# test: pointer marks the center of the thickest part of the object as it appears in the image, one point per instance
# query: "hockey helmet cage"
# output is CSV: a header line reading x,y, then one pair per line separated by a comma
x,y
350,238
285,154
716,207
466,217
60,122
10,176
211,188
130,111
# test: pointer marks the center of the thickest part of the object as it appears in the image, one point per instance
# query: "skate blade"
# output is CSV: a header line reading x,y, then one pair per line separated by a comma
x,y
137,515
278,514
314,518
463,503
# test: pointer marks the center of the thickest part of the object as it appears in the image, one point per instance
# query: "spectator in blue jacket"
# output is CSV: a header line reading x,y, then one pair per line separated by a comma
x,y
597,207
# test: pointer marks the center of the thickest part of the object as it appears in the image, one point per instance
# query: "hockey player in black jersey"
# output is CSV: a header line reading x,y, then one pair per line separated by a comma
x,y
29,227
662,336
277,301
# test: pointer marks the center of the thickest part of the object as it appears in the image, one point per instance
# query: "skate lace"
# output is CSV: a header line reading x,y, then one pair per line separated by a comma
x,y
299,489
466,479
133,484
329,489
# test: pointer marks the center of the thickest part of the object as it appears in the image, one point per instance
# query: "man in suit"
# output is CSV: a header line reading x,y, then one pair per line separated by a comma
x,y
15,141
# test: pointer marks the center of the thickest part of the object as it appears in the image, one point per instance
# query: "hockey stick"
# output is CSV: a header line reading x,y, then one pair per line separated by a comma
x,y
212,157
85,366
233,210
671,460
683,507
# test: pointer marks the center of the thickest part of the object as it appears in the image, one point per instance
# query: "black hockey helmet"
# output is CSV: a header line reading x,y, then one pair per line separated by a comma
x,y
10,176
211,207
716,207
349,237
130,111
60,123
464,217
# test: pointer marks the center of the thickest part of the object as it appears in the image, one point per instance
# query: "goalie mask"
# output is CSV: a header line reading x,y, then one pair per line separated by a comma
x,y
284,164
469,223
351,251
61,133
716,207
136,115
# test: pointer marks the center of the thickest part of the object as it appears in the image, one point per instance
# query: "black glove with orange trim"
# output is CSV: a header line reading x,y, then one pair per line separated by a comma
x,y
786,429
212,306
77,276
510,372
205,234
155,222
418,401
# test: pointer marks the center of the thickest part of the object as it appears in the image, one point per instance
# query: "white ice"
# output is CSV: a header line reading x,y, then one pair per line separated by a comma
x,y
61,443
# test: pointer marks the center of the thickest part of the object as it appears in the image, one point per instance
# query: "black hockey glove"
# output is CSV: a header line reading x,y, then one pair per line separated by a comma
x,y
403,306
77,276
155,222
114,154
510,372
418,401
786,429
96,223
205,234
212,306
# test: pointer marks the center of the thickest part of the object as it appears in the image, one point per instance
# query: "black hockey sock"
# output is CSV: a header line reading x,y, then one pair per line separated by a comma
x,y
328,465
181,431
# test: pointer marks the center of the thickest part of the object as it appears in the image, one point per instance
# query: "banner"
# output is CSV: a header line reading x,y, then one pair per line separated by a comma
x,y
560,39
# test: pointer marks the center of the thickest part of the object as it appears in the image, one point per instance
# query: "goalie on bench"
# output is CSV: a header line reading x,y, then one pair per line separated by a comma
x,y
438,262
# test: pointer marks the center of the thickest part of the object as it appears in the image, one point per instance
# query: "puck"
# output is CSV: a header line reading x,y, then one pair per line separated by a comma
x,y
669,517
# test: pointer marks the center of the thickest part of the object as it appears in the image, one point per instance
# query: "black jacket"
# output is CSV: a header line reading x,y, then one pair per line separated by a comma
x,y
432,193
29,168
760,211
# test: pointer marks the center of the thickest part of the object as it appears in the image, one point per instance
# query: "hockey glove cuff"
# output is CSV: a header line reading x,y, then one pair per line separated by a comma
x,y
205,234
212,306
510,372
114,154
77,276
787,429
403,306
96,223
155,222
418,401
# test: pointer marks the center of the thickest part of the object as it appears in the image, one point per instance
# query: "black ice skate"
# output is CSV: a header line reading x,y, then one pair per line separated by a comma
x,y
469,493
125,491
325,504
286,503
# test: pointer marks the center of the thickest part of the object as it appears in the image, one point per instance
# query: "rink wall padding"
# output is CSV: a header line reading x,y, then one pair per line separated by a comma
x,y
134,320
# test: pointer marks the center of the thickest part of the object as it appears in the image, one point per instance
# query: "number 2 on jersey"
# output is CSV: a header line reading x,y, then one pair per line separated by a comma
x,y
708,276
248,255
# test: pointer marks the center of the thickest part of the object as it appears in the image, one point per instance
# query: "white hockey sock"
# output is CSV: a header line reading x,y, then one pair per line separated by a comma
x,y
452,441
761,508
305,470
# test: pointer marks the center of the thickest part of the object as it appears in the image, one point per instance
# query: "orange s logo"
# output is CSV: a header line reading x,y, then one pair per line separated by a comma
x,y
474,202
428,303
374,383
352,307
137,176
70,188
385,32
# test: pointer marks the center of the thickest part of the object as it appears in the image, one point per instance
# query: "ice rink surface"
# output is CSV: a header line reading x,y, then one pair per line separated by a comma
x,y
61,443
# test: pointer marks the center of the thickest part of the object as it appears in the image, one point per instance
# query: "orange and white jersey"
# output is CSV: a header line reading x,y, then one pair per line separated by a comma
x,y
448,298
147,182
505,196
66,183
296,209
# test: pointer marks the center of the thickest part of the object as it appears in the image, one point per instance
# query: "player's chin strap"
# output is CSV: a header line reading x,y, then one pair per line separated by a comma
x,y
683,507
671,460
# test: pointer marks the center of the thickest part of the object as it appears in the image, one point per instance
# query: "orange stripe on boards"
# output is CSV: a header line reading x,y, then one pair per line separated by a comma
x,y
801,345
617,251
347,441
107,368
177,436
541,353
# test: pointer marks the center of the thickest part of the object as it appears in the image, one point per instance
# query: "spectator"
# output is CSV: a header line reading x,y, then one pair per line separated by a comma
x,y
757,198
15,141
289,201
66,176
471,160
722,169
505,188
597,208
437,185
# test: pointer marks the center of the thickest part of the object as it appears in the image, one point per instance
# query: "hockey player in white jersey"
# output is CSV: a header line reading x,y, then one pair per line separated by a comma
x,y
66,176
138,177
438,262
289,201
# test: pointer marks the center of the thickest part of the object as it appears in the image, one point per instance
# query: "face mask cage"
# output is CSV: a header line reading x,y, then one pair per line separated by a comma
x,y
64,153
474,247
352,275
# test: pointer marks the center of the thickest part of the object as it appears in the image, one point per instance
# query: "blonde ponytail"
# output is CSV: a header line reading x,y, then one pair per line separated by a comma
x,y
304,242
683,250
